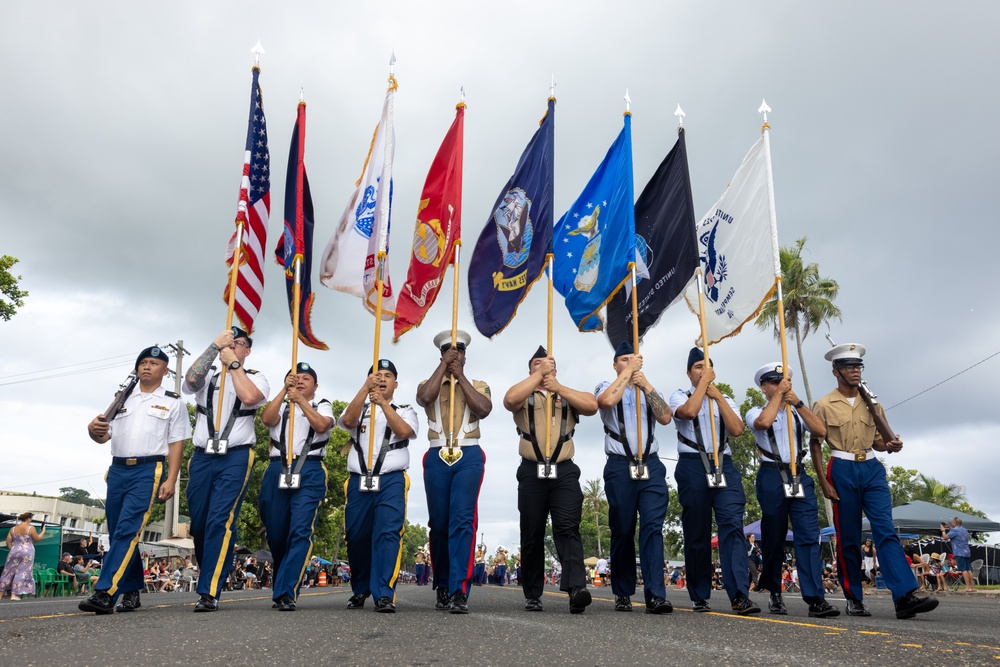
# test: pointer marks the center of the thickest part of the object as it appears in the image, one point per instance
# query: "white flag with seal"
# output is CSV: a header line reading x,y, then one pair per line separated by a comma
x,y
350,261
736,251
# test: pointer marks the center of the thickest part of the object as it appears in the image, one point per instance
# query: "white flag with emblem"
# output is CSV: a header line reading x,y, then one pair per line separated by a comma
x,y
736,251
350,261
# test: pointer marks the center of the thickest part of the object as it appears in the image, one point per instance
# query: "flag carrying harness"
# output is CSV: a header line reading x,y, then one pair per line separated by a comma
x,y
385,447
623,438
209,412
533,439
700,443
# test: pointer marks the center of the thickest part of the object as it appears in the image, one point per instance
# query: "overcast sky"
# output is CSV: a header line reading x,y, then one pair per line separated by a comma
x,y
123,127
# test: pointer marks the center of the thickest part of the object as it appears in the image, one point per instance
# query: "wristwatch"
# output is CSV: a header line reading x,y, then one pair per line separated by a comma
x,y
233,366
799,404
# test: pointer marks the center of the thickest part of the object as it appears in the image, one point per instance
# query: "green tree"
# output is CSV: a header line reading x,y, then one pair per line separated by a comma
x,y
12,296
902,484
414,537
72,494
595,507
808,301
934,491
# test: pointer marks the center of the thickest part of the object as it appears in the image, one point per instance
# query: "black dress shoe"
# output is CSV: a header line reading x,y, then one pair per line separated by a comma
x,y
99,603
622,603
384,605
910,605
857,608
207,603
579,598
129,602
659,605
286,603
776,605
533,604
700,605
823,609
459,603
443,600
357,601
743,606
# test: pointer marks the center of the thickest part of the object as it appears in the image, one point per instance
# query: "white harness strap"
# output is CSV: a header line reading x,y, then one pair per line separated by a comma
x,y
466,427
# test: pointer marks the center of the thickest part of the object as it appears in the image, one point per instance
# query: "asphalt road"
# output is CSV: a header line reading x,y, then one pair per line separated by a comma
x,y
964,630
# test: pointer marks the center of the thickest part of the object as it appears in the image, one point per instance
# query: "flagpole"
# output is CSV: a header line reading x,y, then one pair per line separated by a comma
x,y
454,340
773,216
296,300
378,335
708,362
635,347
548,350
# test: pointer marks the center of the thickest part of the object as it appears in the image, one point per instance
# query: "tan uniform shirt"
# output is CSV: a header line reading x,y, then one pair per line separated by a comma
x,y
849,428
437,428
525,449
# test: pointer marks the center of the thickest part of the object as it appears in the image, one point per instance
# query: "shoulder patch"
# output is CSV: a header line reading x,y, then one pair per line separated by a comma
x,y
322,401
172,394
404,405
249,371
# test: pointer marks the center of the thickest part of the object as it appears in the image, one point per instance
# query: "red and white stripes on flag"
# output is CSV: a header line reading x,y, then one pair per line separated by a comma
x,y
252,213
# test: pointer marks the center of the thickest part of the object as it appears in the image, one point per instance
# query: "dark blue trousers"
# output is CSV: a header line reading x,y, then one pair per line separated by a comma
x,y
374,526
479,574
289,515
215,491
453,516
131,493
776,510
698,501
646,500
862,485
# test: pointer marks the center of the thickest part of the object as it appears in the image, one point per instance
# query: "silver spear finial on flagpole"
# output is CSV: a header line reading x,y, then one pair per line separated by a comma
x,y
552,86
256,51
680,116
764,109
392,64
463,94
628,102
302,93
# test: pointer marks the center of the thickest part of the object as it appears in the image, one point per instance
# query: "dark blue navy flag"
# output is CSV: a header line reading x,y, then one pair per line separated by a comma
x,y
595,240
510,253
665,240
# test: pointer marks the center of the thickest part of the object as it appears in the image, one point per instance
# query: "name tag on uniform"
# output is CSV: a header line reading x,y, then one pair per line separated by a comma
x,y
159,411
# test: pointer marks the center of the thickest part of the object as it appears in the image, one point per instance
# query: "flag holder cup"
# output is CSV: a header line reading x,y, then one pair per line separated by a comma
x,y
547,470
369,483
794,489
638,471
217,446
716,480
289,479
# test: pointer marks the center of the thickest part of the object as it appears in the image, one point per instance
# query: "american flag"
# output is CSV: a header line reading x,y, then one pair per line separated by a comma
x,y
252,211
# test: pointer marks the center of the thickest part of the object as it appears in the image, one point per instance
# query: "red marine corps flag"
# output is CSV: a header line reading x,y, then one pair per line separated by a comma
x,y
438,230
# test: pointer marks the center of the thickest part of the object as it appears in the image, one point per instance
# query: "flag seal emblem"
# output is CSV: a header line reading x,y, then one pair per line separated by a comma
x,y
715,265
514,232
365,213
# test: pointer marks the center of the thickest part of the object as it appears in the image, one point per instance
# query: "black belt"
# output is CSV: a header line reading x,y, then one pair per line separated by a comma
x,y
311,457
619,457
689,455
230,448
534,463
136,460
775,464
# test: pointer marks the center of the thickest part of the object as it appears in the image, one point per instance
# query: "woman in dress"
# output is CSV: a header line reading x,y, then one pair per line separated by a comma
x,y
18,578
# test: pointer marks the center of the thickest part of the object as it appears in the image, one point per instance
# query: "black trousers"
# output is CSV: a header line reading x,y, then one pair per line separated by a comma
x,y
536,499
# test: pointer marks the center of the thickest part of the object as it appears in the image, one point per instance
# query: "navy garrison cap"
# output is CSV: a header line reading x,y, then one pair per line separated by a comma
x,y
385,365
624,347
696,355
540,353
153,352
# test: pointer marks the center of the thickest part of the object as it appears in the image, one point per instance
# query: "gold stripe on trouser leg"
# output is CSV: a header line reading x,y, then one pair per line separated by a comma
x,y
311,533
402,529
138,533
224,550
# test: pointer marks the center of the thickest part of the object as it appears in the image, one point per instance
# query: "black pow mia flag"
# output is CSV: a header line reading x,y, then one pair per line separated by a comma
x,y
665,237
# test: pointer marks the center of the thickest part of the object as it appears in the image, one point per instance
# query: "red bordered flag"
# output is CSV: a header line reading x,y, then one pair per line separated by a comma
x,y
438,229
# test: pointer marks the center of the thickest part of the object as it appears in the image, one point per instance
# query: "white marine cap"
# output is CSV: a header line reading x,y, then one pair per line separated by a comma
x,y
848,354
771,371
444,338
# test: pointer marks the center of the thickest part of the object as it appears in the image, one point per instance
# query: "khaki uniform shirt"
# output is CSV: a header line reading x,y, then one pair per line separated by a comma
x,y
525,449
437,426
849,428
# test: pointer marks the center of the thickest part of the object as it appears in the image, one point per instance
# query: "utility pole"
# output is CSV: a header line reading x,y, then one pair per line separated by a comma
x,y
172,511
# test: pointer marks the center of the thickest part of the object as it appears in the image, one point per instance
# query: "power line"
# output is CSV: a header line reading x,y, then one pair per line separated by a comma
x,y
117,364
946,380
59,368
54,481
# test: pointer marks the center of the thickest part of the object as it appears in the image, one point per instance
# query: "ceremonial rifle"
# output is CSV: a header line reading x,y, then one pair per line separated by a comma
x,y
871,401
124,391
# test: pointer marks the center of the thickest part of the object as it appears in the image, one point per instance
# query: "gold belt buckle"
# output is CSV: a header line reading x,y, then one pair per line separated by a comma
x,y
131,461
860,456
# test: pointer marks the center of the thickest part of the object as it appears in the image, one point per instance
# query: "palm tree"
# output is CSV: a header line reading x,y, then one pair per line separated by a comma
x,y
593,494
808,300
937,492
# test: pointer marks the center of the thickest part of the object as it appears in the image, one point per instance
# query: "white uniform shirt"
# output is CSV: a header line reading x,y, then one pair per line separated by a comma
x,y
148,423
323,407
243,431
610,419
396,459
780,432
685,427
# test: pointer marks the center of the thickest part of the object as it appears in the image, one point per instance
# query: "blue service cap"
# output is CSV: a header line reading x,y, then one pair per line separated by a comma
x,y
152,352
624,348
696,355
540,353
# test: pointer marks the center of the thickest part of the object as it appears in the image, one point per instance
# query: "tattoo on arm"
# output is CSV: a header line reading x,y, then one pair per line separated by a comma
x,y
195,376
657,403
617,387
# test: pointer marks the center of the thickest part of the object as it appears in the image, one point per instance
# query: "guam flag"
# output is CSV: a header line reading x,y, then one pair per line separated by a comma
x,y
595,240
297,241
665,240
510,253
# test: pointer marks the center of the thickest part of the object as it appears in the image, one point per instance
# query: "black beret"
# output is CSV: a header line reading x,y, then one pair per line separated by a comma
x,y
240,333
303,367
152,352
385,365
